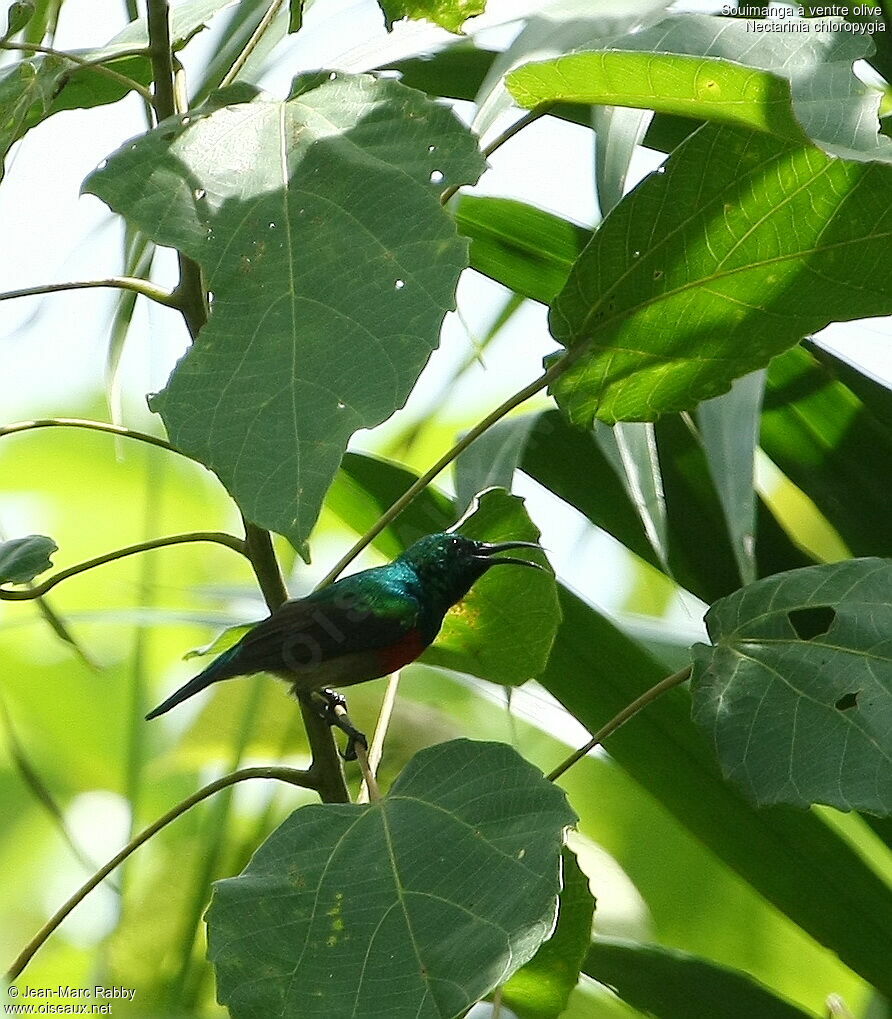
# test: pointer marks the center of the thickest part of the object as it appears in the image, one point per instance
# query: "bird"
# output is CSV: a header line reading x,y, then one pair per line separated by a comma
x,y
361,627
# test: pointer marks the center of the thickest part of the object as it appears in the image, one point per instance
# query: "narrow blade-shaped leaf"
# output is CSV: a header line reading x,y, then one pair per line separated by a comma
x,y
331,264
796,690
413,907
676,985
708,270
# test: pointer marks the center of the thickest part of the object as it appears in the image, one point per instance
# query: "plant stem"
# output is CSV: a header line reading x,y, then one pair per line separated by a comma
x,y
291,775
161,55
445,460
505,136
629,711
251,44
376,750
93,426
95,65
137,286
218,537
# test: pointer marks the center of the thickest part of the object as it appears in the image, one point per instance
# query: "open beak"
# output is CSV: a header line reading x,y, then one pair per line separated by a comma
x,y
486,550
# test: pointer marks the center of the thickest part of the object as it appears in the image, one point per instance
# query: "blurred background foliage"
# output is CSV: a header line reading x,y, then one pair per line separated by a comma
x,y
79,769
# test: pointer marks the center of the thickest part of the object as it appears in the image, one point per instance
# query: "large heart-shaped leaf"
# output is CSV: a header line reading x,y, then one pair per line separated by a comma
x,y
22,559
331,264
705,272
797,687
413,907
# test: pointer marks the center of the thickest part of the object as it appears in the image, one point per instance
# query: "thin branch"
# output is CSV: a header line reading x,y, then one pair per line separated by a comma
x,y
251,44
376,750
505,136
93,426
99,66
629,711
418,486
137,286
291,775
218,537
161,55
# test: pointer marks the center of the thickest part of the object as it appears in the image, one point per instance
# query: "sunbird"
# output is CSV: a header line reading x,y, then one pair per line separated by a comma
x,y
361,627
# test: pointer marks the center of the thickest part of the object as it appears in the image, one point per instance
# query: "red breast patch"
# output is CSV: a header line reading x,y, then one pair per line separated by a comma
x,y
406,650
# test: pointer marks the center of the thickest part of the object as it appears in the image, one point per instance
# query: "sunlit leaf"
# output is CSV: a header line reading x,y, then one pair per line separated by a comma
x,y
705,272
790,84
796,690
540,989
412,907
676,985
450,14
503,629
327,302
22,559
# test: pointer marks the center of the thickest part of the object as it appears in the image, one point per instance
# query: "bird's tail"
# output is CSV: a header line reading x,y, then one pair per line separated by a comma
x,y
218,670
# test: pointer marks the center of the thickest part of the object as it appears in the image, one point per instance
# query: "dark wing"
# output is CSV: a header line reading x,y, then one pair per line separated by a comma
x,y
355,615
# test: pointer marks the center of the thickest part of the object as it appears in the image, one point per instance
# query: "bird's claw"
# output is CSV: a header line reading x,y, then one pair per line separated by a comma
x,y
333,708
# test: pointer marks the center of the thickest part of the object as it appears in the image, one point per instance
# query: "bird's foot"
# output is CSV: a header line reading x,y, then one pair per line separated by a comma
x,y
333,708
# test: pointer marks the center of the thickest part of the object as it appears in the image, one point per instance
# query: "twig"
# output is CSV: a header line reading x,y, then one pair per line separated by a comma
x,y
218,537
99,66
418,486
137,286
629,711
505,136
93,426
291,775
368,790
251,44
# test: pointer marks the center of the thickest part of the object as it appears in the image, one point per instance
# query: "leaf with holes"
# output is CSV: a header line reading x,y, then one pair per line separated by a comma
x,y
796,689
705,272
22,559
318,225
413,907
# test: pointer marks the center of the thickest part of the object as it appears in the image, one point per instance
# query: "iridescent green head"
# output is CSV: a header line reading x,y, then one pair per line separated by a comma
x,y
448,564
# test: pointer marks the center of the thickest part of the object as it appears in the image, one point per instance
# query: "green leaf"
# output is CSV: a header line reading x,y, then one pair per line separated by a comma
x,y
222,642
819,418
450,14
295,15
368,485
412,907
503,629
22,559
490,461
331,264
35,89
526,249
790,84
676,985
729,426
792,857
796,691
541,988
707,271
18,14
687,86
